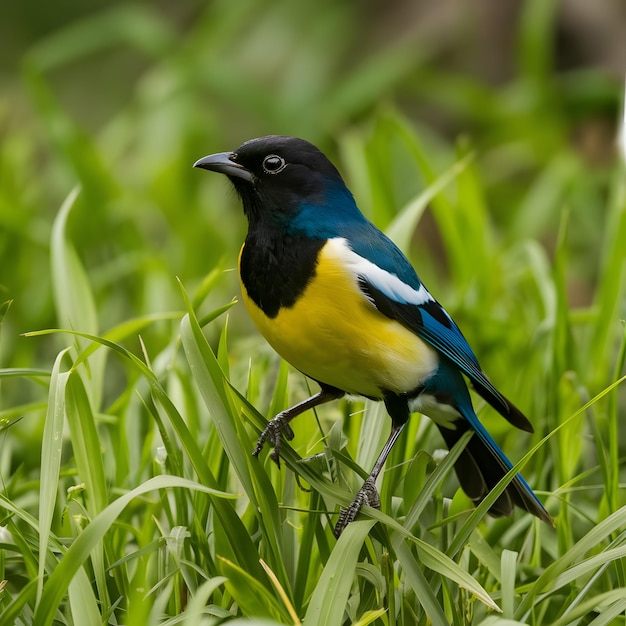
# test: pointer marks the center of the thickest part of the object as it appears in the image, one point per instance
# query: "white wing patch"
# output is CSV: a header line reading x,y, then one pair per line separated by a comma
x,y
392,286
444,415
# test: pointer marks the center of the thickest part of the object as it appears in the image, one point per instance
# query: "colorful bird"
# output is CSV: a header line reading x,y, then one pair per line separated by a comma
x,y
338,300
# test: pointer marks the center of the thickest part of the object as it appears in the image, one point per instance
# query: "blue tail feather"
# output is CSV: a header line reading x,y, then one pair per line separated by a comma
x,y
482,465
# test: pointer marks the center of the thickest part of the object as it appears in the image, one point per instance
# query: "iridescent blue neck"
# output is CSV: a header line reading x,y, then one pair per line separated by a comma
x,y
334,214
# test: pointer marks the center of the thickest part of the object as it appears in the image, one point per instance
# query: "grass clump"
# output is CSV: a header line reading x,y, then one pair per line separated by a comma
x,y
131,400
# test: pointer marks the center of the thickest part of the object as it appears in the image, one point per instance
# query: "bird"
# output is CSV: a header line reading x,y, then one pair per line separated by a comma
x,y
338,300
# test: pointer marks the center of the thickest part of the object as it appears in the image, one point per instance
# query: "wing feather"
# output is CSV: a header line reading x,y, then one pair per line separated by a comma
x,y
400,295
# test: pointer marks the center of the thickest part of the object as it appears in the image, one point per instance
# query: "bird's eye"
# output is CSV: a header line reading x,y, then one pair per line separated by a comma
x,y
272,164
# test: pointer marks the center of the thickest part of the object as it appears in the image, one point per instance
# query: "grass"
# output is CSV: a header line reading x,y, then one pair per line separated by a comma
x,y
131,401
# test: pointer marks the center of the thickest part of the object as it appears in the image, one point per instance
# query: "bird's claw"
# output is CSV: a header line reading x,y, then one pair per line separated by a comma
x,y
366,496
276,428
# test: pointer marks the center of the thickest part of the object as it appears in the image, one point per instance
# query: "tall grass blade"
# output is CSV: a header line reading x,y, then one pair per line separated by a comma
x,y
328,602
51,449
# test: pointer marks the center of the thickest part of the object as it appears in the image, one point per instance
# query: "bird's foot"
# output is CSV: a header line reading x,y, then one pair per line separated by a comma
x,y
275,429
366,496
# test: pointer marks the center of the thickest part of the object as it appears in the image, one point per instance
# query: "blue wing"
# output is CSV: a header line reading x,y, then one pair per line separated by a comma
x,y
389,281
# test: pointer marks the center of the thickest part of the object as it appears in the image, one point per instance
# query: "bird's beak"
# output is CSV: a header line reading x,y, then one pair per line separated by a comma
x,y
222,162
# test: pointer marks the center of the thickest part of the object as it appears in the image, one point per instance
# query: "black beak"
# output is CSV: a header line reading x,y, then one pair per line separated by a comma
x,y
223,163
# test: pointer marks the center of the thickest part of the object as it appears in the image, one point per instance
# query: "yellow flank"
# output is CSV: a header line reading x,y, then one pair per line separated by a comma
x,y
335,335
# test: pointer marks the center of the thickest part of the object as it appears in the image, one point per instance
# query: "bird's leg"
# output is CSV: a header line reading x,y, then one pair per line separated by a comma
x,y
368,494
279,425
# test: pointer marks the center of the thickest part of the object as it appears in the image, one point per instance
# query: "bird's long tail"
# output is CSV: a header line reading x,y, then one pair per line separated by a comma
x,y
481,466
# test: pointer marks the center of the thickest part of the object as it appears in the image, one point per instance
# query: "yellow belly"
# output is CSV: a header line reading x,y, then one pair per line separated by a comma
x,y
336,336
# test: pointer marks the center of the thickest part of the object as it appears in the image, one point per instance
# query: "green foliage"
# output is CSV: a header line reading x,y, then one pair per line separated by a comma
x,y
129,404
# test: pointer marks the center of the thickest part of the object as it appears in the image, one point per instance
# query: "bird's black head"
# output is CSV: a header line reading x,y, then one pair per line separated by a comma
x,y
278,175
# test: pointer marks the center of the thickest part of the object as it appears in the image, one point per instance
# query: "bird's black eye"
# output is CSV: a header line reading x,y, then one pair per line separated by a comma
x,y
272,164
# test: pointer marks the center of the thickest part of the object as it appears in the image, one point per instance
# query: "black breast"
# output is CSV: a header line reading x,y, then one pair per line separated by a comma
x,y
275,270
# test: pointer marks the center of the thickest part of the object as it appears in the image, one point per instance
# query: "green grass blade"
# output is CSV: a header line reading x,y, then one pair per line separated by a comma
x,y
90,466
211,382
416,580
82,600
74,301
87,449
508,576
328,602
442,564
251,595
51,448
